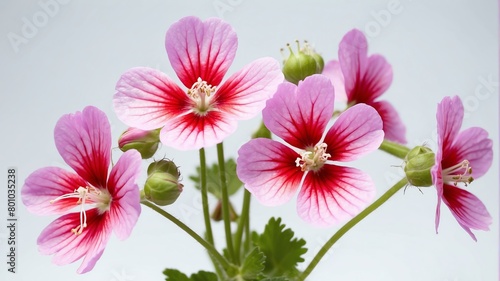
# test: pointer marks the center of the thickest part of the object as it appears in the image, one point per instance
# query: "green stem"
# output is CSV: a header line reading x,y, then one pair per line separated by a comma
x,y
349,225
204,196
394,149
242,223
225,201
209,247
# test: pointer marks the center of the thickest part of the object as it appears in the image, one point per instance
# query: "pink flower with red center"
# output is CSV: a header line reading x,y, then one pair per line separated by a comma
x,y
309,161
460,158
360,78
208,110
91,202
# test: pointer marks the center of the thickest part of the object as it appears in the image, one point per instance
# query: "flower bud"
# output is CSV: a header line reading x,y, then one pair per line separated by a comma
x,y
418,164
162,185
262,132
146,142
217,213
302,64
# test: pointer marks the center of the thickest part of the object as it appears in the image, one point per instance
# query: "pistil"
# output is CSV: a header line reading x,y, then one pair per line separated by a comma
x,y
200,93
313,160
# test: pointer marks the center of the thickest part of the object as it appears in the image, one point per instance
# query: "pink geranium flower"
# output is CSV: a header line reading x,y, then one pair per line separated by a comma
x,y
360,78
208,110
460,158
104,203
273,171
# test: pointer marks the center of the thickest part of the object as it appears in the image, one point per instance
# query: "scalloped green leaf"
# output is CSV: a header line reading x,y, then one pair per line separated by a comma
x,y
175,275
203,276
213,179
253,264
283,252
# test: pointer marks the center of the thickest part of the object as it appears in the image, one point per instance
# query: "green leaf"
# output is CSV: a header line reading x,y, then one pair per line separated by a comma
x,y
283,252
253,264
175,275
203,276
213,179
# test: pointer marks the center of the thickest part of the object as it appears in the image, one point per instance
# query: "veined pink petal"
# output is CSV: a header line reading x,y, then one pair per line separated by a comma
x,y
333,71
245,93
299,114
376,80
46,184
334,194
199,49
146,98
355,133
353,50
84,140
125,207
268,170
450,114
57,239
473,145
394,129
193,131
469,211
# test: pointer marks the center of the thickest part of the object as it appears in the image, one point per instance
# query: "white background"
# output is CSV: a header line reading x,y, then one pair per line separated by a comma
x,y
79,50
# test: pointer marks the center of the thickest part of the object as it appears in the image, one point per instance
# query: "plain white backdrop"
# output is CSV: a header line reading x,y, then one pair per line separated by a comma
x,y
59,56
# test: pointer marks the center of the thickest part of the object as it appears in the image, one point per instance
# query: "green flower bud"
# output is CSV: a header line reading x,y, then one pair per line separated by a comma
x,y
302,64
146,142
262,132
162,186
164,166
418,164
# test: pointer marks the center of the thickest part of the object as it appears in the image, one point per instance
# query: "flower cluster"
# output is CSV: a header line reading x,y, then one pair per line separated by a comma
x,y
303,146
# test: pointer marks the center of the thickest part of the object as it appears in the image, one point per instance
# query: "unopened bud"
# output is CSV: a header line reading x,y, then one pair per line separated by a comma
x,y
146,142
418,165
302,64
162,185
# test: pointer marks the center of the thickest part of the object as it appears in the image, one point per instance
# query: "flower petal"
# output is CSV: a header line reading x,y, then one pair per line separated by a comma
x,y
353,49
199,49
377,78
57,239
146,98
366,78
299,114
84,141
356,132
268,170
46,184
473,145
334,194
333,71
450,113
125,207
245,93
469,211
193,131
394,129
